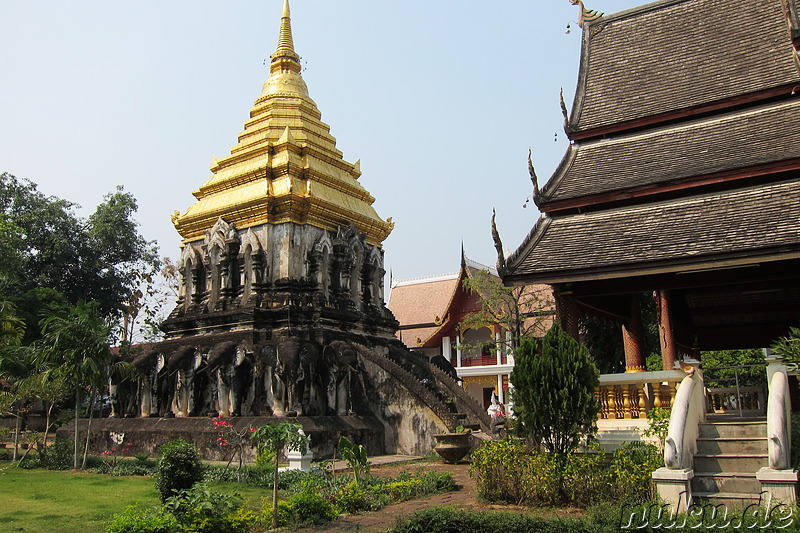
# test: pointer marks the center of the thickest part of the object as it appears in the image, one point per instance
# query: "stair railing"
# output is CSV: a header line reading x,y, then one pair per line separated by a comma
x,y
778,419
688,410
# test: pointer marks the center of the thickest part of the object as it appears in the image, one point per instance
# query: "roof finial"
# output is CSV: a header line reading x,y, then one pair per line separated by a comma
x,y
463,256
586,15
498,245
564,110
285,58
534,179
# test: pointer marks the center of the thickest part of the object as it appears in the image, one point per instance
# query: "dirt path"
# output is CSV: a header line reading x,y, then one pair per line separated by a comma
x,y
387,517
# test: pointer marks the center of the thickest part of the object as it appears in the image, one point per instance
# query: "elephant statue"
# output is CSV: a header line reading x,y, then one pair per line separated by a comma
x,y
227,363
148,365
297,378
182,367
341,359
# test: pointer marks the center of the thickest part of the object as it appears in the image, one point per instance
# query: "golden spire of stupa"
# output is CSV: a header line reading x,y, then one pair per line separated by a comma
x,y
285,58
285,167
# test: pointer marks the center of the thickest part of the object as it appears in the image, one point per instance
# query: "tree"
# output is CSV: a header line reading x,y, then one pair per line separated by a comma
x,y
789,346
274,438
522,311
49,246
78,344
554,391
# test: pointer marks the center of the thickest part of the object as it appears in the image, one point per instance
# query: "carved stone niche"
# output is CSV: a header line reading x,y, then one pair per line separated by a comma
x,y
253,269
221,251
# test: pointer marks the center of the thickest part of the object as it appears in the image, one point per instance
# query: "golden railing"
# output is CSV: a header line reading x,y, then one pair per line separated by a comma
x,y
632,395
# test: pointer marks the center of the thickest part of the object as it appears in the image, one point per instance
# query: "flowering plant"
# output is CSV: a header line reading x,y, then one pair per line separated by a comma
x,y
231,440
119,449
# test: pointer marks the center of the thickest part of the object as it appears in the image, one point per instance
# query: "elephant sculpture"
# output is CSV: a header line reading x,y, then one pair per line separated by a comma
x,y
341,360
149,365
297,383
182,368
233,372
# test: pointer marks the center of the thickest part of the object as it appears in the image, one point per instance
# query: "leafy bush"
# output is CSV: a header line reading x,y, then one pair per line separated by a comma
x,y
200,510
353,498
400,491
127,468
178,469
632,467
432,482
657,424
138,520
310,507
507,472
58,456
587,479
449,520
284,513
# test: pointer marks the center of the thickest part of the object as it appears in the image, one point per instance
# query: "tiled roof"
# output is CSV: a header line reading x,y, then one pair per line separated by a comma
x,y
740,139
735,223
416,304
677,54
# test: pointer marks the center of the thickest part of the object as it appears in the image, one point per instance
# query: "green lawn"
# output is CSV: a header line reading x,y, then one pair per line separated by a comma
x,y
45,501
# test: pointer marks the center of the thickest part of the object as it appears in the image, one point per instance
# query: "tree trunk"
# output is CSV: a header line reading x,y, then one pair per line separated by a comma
x,y
16,436
47,423
75,447
275,493
88,427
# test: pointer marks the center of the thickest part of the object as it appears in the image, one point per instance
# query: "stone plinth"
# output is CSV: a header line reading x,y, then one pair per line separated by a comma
x,y
145,435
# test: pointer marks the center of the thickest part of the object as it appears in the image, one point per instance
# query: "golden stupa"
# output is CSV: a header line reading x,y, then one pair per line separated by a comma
x,y
285,167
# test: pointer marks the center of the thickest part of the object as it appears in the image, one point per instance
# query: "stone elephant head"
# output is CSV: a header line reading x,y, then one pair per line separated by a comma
x,y
298,381
230,369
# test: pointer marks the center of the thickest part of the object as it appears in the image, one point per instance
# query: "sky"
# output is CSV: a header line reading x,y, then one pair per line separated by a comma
x,y
439,99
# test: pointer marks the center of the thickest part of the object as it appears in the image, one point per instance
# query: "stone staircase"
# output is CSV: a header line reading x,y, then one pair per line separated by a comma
x,y
729,453
434,388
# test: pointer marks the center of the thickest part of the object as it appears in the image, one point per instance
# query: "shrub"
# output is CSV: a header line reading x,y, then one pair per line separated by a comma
x,y
200,510
631,468
403,490
507,472
178,469
284,513
432,482
449,520
138,520
353,498
59,455
554,391
587,480
310,507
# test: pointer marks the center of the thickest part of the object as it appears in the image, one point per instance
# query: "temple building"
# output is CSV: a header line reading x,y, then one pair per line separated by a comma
x,y
281,307
682,179
431,309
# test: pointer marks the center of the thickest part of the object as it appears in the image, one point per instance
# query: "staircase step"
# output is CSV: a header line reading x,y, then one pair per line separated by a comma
x,y
738,499
732,445
729,462
733,429
730,482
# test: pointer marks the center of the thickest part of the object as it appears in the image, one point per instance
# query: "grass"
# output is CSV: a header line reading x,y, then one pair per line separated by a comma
x,y
46,501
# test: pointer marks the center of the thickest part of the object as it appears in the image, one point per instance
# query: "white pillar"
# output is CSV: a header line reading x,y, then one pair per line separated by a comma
x,y
499,352
446,349
500,397
458,351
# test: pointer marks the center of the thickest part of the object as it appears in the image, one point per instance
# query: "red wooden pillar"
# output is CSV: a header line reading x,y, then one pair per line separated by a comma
x,y
669,350
633,338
